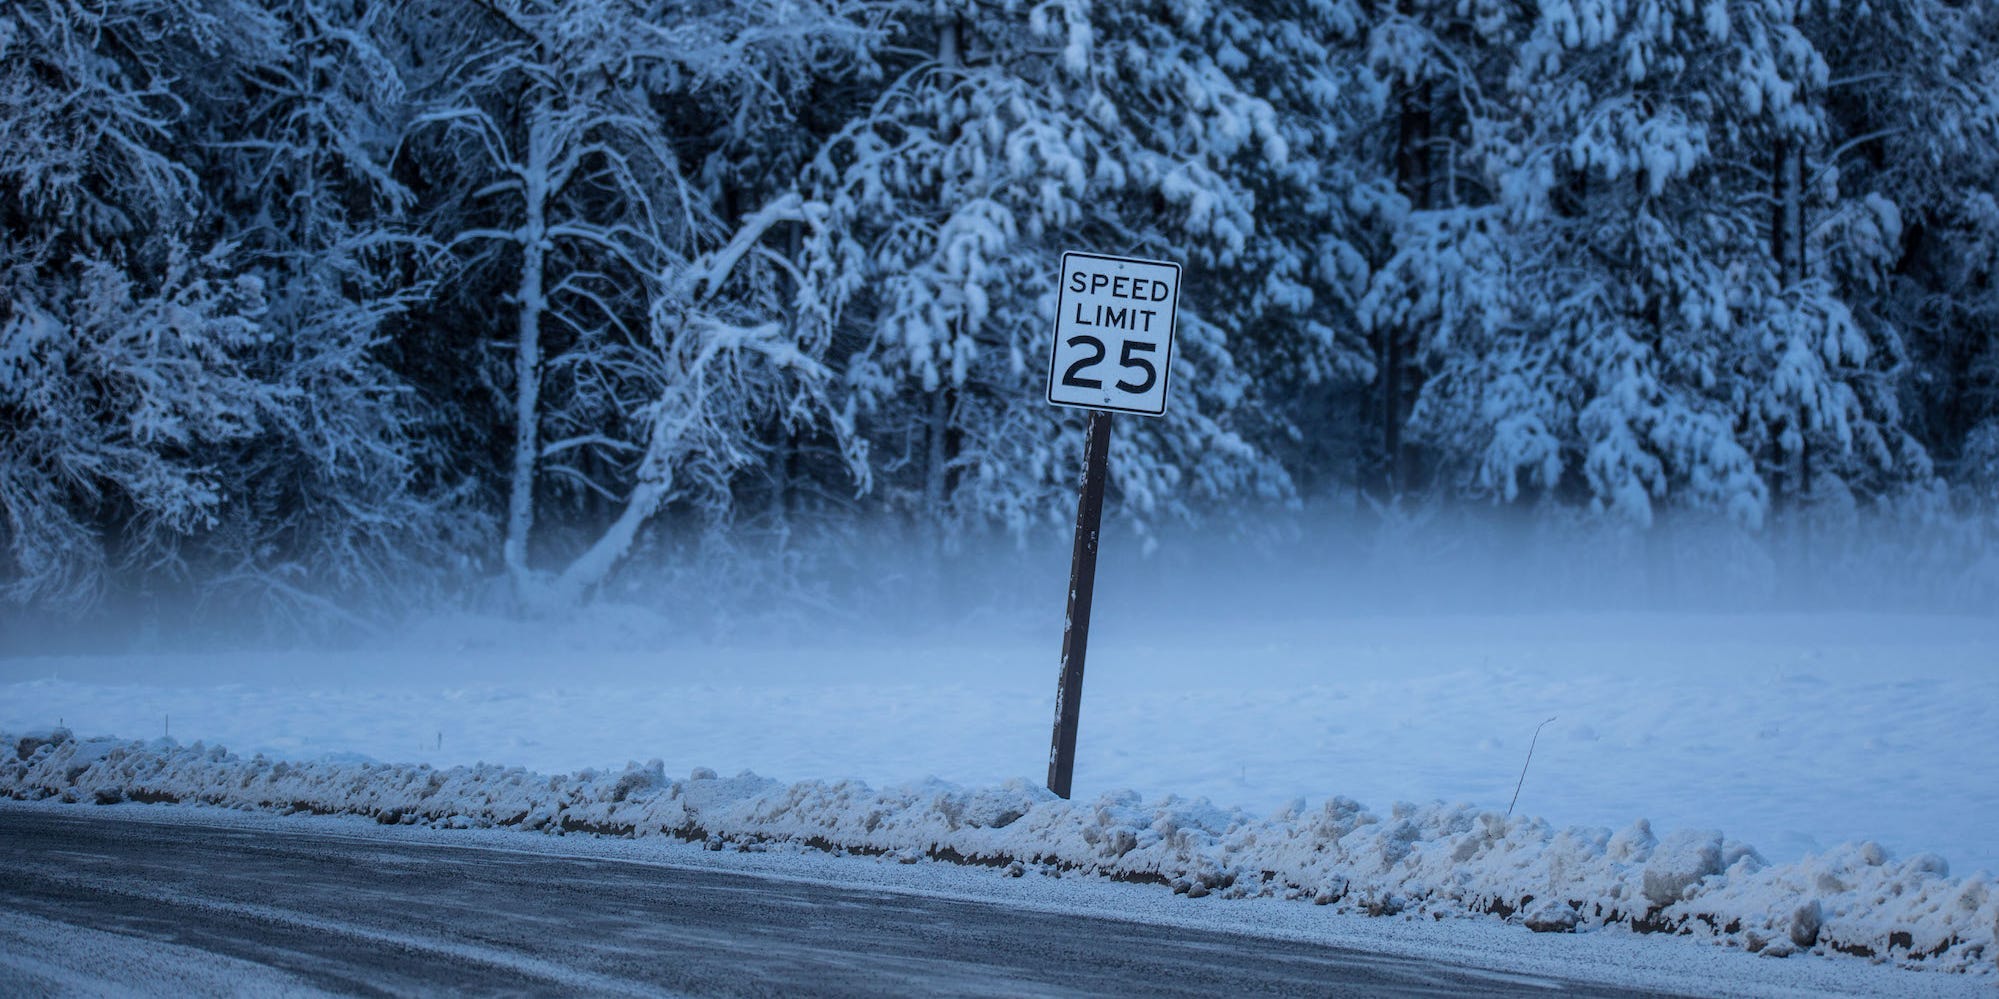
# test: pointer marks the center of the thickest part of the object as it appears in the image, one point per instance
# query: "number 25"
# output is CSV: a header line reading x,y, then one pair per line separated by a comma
x,y
1127,359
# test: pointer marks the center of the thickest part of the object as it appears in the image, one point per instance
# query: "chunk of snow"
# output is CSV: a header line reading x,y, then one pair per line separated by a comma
x,y
1679,863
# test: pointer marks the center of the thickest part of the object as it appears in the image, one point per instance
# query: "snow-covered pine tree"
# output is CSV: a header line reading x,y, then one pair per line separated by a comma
x,y
1004,137
1639,314
1600,332
1823,417
1431,61
1906,182
1291,302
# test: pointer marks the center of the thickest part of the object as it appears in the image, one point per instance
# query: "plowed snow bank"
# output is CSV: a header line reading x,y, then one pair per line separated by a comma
x,y
1436,859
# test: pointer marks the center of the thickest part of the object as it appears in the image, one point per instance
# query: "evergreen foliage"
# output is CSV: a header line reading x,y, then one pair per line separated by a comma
x,y
313,305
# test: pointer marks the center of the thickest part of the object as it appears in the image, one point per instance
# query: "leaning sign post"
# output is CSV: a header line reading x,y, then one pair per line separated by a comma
x,y
1114,319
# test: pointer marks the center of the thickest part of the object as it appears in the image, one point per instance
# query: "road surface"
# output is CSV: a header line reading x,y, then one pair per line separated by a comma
x,y
159,905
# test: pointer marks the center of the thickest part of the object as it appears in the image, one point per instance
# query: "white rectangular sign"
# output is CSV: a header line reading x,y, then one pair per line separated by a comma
x,y
1114,333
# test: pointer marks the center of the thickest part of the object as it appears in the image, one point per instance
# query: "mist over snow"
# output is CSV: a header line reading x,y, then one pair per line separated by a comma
x,y
1250,671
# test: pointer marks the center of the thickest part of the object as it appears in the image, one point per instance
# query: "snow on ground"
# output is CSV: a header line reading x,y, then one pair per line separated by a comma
x,y
1797,733
1786,769
1440,861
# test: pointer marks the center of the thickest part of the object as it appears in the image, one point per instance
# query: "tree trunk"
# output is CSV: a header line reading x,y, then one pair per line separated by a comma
x,y
532,303
610,548
943,440
1787,229
1787,248
784,457
1415,176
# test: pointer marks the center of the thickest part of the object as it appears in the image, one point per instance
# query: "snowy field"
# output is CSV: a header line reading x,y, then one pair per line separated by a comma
x,y
1793,733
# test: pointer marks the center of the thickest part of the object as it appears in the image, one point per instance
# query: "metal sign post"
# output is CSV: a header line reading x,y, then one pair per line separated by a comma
x,y
1114,323
1082,589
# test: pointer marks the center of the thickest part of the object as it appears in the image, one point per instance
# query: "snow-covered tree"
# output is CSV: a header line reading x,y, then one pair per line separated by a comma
x,y
126,342
1641,313
646,353
343,495
1006,137
302,301
1433,62
1906,185
1318,199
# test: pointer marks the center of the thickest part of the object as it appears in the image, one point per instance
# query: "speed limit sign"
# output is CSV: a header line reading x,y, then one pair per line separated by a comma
x,y
1114,333
1113,354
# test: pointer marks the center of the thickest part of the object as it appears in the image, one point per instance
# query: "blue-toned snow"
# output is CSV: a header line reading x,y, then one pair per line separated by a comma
x,y
1794,733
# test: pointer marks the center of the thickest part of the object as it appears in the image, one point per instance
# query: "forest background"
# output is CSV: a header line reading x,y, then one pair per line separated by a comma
x,y
315,313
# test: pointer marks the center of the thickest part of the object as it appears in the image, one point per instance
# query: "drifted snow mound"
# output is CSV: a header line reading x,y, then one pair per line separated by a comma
x,y
1436,859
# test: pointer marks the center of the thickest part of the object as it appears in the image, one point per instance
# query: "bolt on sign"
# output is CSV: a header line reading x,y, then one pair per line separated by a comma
x,y
1113,353
1114,324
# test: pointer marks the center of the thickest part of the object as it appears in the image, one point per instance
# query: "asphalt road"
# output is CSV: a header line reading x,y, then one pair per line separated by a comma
x,y
352,914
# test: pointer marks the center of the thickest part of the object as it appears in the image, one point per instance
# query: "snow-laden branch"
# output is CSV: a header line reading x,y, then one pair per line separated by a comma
x,y
707,275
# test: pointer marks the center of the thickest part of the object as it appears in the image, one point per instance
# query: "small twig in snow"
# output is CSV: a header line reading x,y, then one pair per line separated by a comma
x,y
1523,766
